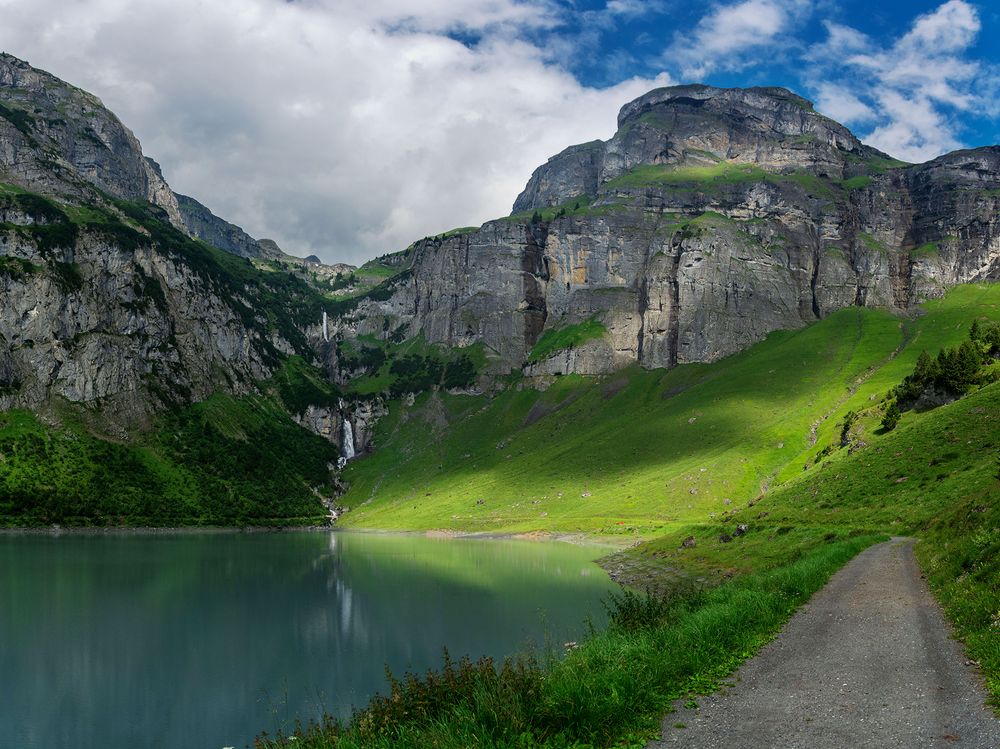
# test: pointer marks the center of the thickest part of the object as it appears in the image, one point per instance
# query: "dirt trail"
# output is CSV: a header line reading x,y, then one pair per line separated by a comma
x,y
866,663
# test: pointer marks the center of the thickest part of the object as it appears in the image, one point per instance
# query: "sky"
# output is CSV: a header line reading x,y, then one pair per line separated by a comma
x,y
349,129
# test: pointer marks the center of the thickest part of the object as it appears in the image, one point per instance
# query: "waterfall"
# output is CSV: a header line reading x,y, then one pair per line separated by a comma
x,y
326,328
348,447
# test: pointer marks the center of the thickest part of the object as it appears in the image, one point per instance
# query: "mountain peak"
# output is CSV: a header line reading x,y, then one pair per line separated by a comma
x,y
60,140
696,95
768,127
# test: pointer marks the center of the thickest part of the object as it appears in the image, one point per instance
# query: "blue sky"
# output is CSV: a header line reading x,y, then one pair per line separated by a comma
x,y
349,129
853,58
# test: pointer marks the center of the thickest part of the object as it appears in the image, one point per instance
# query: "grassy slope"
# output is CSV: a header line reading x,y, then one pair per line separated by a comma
x,y
640,452
936,477
224,461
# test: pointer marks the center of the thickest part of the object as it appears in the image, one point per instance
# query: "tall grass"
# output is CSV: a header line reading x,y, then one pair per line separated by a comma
x,y
611,691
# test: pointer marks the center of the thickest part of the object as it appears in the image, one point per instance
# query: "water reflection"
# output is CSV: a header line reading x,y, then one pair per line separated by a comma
x,y
203,640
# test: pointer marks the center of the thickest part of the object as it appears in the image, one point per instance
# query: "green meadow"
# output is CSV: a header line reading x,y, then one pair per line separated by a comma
x,y
640,452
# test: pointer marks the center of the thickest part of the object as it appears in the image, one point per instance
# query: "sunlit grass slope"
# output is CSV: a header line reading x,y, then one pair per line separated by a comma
x,y
642,452
936,477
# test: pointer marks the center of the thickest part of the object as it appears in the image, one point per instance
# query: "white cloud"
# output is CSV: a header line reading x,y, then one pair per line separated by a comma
x,y
725,34
841,104
633,8
910,87
341,129
915,130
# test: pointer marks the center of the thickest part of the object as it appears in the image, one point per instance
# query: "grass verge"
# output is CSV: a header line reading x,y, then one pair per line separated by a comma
x,y
612,690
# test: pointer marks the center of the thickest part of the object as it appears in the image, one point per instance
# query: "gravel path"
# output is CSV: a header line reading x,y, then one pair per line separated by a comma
x,y
866,663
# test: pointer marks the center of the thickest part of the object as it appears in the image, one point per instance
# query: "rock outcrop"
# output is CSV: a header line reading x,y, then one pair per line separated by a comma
x,y
206,226
111,317
56,139
106,299
711,218
357,419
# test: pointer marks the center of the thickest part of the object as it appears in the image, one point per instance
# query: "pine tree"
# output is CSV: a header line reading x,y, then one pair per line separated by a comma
x,y
992,341
845,431
924,371
891,418
948,378
924,374
968,363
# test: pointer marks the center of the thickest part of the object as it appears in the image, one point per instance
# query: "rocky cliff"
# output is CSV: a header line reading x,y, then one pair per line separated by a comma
x,y
58,140
205,225
115,295
711,218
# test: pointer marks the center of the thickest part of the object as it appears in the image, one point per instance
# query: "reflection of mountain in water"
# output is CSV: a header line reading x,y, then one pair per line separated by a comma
x,y
192,640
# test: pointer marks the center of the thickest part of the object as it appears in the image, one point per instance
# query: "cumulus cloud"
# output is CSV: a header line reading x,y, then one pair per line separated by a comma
x,y
910,89
840,103
633,8
340,129
724,38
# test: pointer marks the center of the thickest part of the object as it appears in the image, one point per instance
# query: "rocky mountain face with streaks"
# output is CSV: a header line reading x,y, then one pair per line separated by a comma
x,y
115,294
61,141
711,218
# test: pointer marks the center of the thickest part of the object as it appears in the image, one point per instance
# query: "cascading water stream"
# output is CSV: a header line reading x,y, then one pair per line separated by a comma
x,y
347,450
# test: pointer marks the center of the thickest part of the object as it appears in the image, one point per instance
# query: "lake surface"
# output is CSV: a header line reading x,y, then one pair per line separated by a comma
x,y
199,641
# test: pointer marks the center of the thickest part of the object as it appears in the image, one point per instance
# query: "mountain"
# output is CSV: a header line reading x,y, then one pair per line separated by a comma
x,y
712,218
115,290
145,374
58,140
159,365
200,222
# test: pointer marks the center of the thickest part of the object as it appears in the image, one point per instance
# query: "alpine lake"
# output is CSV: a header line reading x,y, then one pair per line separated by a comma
x,y
204,640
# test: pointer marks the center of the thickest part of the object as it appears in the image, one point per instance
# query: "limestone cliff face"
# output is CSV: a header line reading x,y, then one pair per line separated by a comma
x,y
58,140
711,218
125,326
205,225
105,301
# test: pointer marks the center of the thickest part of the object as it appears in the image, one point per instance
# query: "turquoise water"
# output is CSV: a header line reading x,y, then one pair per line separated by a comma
x,y
186,641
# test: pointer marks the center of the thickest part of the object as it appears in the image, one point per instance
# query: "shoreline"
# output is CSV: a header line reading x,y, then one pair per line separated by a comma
x,y
156,530
578,539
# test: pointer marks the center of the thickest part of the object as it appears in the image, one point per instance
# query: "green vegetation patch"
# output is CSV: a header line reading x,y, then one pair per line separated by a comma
x,y
570,336
638,453
928,250
17,268
457,232
581,205
67,276
224,461
300,385
717,176
20,119
722,173
410,366
857,183
873,244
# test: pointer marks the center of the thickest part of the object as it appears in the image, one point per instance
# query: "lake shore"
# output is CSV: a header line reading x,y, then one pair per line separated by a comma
x,y
579,539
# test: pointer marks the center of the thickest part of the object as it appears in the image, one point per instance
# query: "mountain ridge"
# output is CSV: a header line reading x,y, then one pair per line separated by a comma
x,y
711,218
718,216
